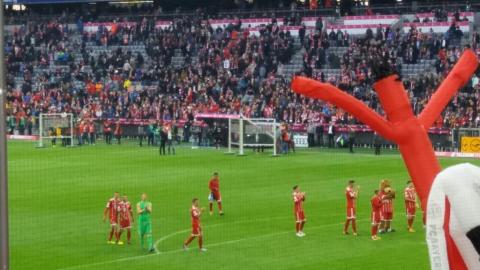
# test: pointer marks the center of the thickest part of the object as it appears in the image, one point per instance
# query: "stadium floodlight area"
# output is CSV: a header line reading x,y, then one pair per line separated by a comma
x,y
256,133
55,126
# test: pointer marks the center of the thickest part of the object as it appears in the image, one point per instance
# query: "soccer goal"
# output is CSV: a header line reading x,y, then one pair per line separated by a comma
x,y
256,133
58,126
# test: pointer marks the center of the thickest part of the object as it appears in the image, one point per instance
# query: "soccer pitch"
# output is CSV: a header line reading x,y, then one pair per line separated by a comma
x,y
57,197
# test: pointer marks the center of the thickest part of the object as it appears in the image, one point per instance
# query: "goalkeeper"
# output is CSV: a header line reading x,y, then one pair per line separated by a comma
x,y
144,210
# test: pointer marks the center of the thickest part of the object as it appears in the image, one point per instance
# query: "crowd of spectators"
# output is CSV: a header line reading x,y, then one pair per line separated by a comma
x,y
224,71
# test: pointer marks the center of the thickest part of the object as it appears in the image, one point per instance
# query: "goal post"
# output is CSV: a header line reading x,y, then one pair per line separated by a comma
x,y
256,133
55,126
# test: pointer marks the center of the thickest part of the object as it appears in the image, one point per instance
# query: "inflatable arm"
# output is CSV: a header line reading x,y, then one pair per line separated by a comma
x,y
457,78
330,93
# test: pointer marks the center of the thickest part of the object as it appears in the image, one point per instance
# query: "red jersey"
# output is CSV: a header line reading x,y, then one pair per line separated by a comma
x,y
113,208
214,185
410,197
387,203
350,194
125,208
298,200
195,213
376,202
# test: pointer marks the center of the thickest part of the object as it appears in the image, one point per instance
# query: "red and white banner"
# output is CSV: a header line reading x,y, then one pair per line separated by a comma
x,y
90,27
375,19
217,116
359,29
436,27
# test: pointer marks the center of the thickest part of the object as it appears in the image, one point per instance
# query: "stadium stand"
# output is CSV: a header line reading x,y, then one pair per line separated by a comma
x,y
169,70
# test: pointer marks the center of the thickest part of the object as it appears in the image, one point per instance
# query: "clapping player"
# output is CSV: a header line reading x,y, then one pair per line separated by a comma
x,y
126,218
410,205
351,193
195,213
111,210
298,199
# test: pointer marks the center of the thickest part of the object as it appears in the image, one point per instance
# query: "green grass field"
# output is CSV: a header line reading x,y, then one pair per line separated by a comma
x,y
57,197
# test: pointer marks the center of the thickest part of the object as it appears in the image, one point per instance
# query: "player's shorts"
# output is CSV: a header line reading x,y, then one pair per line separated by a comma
x,y
125,224
411,211
300,216
351,213
375,218
113,222
196,230
386,216
145,228
215,196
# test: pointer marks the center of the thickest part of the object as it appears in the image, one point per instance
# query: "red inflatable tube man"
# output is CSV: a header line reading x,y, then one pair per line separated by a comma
x,y
401,125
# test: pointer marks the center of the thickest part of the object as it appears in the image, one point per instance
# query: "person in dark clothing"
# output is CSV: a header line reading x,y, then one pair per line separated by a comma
x,y
319,133
377,143
107,131
331,135
141,133
217,133
311,134
351,139
163,141
150,134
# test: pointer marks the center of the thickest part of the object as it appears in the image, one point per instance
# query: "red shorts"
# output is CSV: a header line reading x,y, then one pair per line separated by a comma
x,y
351,212
300,216
387,216
113,221
196,230
411,211
216,196
125,224
375,218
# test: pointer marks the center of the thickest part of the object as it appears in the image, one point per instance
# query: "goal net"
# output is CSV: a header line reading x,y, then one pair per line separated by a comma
x,y
257,133
58,126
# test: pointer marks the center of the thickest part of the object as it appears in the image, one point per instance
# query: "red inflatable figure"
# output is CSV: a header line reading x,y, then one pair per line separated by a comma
x,y
401,125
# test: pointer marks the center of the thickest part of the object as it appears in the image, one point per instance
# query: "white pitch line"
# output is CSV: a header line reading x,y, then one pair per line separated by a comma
x,y
213,225
180,250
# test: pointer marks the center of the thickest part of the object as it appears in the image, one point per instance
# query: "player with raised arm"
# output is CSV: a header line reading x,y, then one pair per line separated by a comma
x,y
410,205
126,218
195,213
298,199
387,195
111,210
144,211
376,202
351,193
214,186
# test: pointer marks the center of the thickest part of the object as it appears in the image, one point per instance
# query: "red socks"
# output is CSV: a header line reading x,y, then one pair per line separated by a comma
x,y
297,226
374,230
128,235
211,207
200,242
219,206
354,226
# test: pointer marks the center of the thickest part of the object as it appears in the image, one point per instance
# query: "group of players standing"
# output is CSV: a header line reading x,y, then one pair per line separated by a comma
x,y
120,214
381,212
382,208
